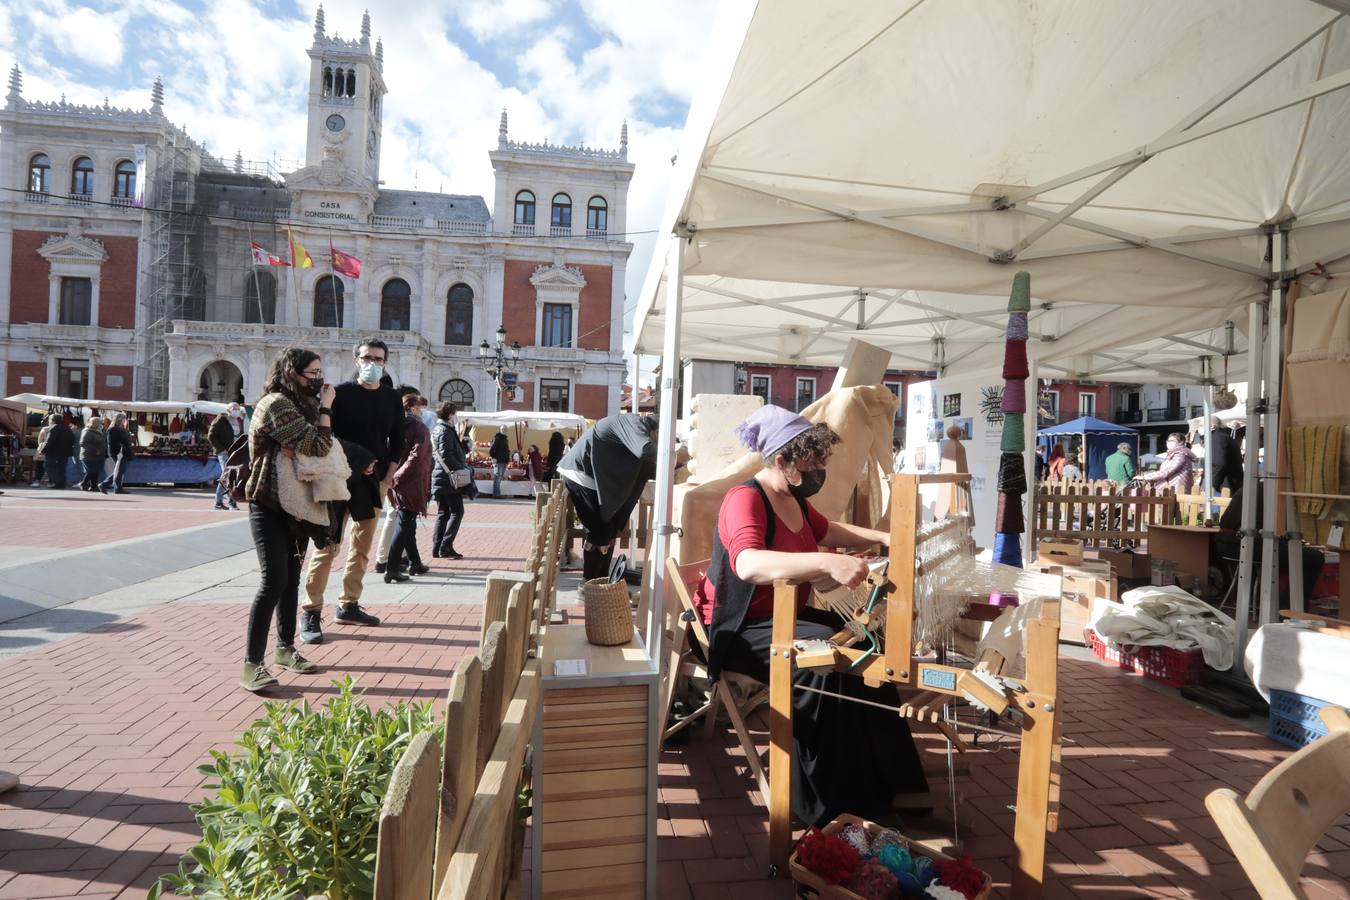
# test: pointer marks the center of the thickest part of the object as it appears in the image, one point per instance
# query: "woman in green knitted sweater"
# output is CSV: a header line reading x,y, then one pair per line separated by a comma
x,y
292,417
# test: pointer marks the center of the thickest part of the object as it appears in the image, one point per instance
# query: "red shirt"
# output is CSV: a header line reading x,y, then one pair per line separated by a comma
x,y
741,524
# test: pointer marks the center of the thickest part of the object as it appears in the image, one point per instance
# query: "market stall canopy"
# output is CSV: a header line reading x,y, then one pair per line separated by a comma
x,y
532,420
1099,439
13,417
41,401
1086,425
857,165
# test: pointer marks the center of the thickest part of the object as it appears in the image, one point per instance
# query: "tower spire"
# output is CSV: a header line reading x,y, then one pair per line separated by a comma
x,y
365,28
318,23
379,51
157,97
15,95
501,129
623,140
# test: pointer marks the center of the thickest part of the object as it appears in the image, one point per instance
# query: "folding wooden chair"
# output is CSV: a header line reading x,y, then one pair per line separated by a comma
x,y
1272,829
681,623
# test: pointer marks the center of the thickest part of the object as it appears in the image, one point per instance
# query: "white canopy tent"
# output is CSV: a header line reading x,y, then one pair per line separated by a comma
x,y
1160,168
127,406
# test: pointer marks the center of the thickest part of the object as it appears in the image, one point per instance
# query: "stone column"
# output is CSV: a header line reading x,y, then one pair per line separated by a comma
x,y
53,298
253,378
92,387
96,281
421,317
178,386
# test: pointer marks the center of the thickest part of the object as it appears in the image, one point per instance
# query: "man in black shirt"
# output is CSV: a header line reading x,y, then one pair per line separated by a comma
x,y
1225,457
121,449
369,414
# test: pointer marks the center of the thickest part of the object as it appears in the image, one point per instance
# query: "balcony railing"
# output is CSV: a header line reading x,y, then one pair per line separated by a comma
x,y
397,221
559,231
1165,414
1129,416
522,230
80,199
123,202
37,197
460,226
597,234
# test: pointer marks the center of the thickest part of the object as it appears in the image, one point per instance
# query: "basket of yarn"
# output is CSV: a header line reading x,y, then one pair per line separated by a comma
x,y
853,859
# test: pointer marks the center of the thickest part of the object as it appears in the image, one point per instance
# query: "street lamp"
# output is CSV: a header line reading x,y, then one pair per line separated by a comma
x,y
495,360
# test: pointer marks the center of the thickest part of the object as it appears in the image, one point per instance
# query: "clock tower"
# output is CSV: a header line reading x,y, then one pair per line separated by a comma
x,y
346,105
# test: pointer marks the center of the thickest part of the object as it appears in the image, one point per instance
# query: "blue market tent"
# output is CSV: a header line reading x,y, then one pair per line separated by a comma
x,y
1099,438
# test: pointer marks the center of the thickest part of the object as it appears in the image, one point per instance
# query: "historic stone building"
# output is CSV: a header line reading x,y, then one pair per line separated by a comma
x,y
125,264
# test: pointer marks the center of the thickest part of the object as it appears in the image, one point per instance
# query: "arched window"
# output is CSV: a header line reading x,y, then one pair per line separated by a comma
x,y
39,170
560,219
328,302
327,81
351,82
459,392
396,306
459,316
524,208
124,180
82,177
597,216
260,298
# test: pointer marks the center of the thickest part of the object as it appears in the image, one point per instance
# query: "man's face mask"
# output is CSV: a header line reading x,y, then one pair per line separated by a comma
x,y
370,372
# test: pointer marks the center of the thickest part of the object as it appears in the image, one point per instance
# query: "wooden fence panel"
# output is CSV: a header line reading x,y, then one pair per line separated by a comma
x,y
495,665
404,861
459,763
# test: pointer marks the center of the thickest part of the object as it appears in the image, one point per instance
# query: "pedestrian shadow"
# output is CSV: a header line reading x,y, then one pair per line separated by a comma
x,y
114,806
20,615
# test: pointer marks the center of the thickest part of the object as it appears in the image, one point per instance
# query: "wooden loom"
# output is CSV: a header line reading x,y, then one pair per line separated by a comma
x,y
1032,698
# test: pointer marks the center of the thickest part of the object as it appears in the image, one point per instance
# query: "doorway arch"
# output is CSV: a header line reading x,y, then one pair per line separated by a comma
x,y
221,382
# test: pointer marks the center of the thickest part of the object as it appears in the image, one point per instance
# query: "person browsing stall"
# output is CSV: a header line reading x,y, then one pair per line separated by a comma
x,y
847,757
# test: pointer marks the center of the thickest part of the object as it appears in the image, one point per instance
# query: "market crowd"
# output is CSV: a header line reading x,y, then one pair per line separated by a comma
x,y
365,458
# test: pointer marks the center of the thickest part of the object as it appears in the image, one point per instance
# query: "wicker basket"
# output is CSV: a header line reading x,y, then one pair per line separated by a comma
x,y
609,621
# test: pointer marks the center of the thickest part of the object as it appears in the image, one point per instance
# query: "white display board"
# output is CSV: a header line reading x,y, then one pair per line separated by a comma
x,y
970,402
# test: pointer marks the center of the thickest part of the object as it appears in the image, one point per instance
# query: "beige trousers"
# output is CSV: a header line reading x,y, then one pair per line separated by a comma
x,y
354,572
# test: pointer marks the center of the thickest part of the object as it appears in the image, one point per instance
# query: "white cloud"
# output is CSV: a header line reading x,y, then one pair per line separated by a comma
x,y
488,19
92,36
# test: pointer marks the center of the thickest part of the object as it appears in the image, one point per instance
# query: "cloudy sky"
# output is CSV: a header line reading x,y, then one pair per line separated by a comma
x,y
235,73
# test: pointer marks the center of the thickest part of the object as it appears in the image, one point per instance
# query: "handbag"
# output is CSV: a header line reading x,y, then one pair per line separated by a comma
x,y
238,466
459,478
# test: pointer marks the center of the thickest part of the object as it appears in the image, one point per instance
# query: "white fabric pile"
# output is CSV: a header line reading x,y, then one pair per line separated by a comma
x,y
1168,617
1289,656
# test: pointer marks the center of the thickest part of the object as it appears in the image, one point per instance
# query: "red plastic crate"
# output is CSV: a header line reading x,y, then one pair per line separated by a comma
x,y
1175,667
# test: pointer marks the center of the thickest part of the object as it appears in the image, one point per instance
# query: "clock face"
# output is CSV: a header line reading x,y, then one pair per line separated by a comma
x,y
335,123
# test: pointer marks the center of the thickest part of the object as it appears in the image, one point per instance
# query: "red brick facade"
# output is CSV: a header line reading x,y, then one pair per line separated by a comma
x,y
783,381
519,303
30,286
17,370
1070,391
590,400
593,318
104,391
526,393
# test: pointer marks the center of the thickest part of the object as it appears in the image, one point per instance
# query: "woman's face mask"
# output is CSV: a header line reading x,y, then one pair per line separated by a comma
x,y
812,480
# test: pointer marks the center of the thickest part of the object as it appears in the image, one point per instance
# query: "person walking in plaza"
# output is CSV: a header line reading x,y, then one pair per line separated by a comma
x,y
1119,465
384,535
222,434
1176,471
448,455
1055,465
534,467
56,443
606,472
120,450
93,453
1225,457
368,414
293,416
500,451
409,493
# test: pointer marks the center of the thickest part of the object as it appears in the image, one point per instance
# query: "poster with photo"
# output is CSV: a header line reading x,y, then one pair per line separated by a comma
x,y
967,426
951,405
935,431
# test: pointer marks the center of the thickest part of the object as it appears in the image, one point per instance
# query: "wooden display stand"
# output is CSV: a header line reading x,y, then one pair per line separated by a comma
x,y
1033,696
596,739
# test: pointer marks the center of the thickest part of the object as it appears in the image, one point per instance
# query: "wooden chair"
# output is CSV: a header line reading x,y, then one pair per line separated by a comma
x,y
1272,830
683,623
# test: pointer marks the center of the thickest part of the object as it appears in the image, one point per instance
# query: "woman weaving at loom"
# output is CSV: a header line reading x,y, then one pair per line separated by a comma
x,y
847,757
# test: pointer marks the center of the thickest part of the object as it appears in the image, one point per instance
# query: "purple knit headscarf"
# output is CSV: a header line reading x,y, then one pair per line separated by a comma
x,y
768,428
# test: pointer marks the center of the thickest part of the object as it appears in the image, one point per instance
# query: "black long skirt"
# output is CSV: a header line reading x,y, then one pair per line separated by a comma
x,y
847,757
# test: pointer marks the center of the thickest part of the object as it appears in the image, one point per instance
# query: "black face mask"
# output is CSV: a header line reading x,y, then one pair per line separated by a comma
x,y
314,386
812,481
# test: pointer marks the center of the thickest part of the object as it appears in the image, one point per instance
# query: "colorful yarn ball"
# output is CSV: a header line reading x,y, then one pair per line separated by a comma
x,y
961,875
856,836
1015,360
1017,326
887,838
924,869
942,892
875,882
1019,300
828,856
1008,517
1014,398
1008,550
897,859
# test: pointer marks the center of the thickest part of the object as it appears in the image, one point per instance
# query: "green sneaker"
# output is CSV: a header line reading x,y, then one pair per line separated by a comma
x,y
256,678
291,661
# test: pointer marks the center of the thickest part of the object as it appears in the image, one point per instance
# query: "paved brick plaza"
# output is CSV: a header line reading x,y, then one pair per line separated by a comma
x,y
106,729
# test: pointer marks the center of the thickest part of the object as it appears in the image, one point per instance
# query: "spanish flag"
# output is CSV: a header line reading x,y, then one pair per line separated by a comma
x,y
300,257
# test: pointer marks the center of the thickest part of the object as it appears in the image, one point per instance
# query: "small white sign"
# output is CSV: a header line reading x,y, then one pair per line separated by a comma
x,y
567,668
1335,536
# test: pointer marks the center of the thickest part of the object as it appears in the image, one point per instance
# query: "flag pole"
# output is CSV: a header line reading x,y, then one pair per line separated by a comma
x,y
257,289
295,284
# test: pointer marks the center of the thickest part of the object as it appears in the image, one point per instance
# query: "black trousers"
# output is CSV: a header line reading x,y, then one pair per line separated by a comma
x,y
281,556
58,470
600,531
846,756
449,515
404,546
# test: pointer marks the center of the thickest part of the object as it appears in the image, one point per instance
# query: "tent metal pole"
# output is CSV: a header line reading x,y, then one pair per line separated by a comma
x,y
1274,370
654,566
1251,484
1209,454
